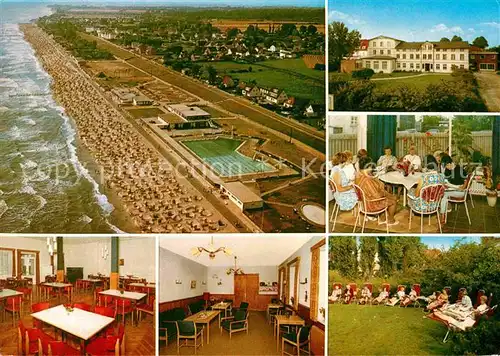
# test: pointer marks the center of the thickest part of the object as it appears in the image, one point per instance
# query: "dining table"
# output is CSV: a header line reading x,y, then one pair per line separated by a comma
x,y
7,293
204,318
398,178
291,320
80,323
222,306
134,297
59,287
272,306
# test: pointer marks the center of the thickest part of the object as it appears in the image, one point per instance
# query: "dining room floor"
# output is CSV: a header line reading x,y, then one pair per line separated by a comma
x,y
484,219
258,341
139,340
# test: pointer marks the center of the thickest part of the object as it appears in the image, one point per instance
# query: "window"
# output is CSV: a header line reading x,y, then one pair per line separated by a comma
x,y
404,65
462,50
374,51
438,66
424,56
411,65
318,289
437,50
483,66
437,56
338,130
404,55
381,44
482,56
445,56
462,57
6,263
491,66
452,57
293,282
354,121
417,56
398,56
382,51
375,65
462,66
445,66
374,44
368,64
398,65
384,64
429,56
418,65
411,56
388,51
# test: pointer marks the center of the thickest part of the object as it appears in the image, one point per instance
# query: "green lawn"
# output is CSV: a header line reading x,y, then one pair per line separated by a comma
x,y
213,148
213,112
292,76
380,330
418,82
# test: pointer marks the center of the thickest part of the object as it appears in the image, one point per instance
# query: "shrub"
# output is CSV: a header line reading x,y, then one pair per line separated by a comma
x,y
365,73
481,340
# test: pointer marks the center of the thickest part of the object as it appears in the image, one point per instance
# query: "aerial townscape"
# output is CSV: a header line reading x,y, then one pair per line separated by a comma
x,y
194,125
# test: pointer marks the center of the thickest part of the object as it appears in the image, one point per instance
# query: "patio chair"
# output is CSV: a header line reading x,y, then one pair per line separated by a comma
x,y
298,340
480,293
339,300
463,200
187,330
336,207
417,289
432,196
236,323
387,287
363,208
370,288
354,293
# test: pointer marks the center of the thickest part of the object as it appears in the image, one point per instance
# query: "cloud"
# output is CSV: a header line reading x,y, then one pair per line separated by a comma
x,y
334,15
471,30
445,29
491,24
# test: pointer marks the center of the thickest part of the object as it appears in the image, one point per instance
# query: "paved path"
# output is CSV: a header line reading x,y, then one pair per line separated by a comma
x,y
405,77
489,88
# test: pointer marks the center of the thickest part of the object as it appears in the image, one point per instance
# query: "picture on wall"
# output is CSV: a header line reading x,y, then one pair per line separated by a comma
x,y
193,284
268,288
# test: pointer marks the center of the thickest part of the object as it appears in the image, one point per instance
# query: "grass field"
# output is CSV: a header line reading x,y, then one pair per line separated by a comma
x,y
144,113
292,75
381,330
221,155
213,111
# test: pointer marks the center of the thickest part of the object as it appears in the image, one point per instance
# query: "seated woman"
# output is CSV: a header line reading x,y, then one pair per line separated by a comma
x,y
407,299
430,177
441,300
387,160
464,306
383,295
456,182
464,320
348,167
397,298
336,293
345,195
365,295
361,154
347,294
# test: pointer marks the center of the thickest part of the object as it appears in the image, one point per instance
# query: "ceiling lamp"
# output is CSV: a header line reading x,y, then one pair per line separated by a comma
x,y
235,270
52,245
211,250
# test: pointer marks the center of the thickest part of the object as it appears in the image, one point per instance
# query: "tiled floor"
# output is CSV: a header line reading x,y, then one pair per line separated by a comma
x,y
484,219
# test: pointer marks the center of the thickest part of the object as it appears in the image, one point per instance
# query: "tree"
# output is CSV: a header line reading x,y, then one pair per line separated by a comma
x,y
341,42
303,29
232,33
367,252
212,74
444,39
195,69
430,122
456,38
480,42
311,29
343,255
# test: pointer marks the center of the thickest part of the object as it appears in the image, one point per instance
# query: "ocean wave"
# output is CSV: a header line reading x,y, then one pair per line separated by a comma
x,y
29,164
27,189
3,207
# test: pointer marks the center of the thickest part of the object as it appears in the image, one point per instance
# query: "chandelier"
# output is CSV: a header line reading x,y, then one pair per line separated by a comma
x,y
52,245
211,250
235,270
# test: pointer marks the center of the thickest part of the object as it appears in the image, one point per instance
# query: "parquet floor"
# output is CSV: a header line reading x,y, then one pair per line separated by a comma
x,y
139,339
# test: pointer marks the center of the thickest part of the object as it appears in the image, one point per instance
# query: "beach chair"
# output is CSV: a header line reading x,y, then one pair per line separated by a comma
x,y
339,300
387,287
415,302
480,293
370,287
354,290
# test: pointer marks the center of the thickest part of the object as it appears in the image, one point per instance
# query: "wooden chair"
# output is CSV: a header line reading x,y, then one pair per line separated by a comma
x,y
187,330
148,307
14,305
56,348
83,306
237,322
27,339
124,307
101,345
297,340
363,208
432,196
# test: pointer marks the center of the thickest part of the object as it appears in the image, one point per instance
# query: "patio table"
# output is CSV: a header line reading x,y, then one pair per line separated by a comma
x,y
80,323
397,178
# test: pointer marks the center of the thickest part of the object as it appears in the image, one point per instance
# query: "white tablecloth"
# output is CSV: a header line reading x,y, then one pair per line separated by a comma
x,y
396,177
6,293
125,295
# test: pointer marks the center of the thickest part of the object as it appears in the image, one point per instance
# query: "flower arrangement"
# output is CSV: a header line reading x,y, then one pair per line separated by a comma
x,y
404,167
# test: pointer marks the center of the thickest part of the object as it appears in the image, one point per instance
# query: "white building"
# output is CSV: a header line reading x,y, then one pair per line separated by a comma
x,y
387,54
242,196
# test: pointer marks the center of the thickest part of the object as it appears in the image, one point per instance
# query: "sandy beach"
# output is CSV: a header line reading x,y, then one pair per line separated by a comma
x,y
151,193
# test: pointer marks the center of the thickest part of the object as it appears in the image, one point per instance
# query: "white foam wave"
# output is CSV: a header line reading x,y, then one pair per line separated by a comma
x,y
29,164
3,207
27,189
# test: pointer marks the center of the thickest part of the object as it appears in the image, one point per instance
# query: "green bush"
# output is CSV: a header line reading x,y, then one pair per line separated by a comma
x,y
365,73
484,339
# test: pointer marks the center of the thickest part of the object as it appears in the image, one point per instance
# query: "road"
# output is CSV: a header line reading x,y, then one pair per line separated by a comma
x,y
240,106
489,88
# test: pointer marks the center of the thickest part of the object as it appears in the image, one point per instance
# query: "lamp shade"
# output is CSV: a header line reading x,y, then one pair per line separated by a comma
x,y
206,296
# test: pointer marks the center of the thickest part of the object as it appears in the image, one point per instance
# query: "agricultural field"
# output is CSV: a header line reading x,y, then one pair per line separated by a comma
x,y
145,112
213,112
165,93
116,73
242,25
292,75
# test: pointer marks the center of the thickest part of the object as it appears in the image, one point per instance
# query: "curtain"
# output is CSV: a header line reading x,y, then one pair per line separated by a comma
x,y
496,144
381,132
6,263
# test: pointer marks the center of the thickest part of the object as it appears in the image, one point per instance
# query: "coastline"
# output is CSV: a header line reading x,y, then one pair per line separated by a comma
x,y
158,203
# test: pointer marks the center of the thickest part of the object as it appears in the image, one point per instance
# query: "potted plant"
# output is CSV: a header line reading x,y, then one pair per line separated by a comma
x,y
490,185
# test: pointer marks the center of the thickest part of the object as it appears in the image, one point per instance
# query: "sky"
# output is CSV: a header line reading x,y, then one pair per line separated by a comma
x,y
246,3
445,242
420,20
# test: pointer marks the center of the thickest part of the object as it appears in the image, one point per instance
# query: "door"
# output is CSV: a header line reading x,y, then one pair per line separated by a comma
x,y
427,67
246,289
28,265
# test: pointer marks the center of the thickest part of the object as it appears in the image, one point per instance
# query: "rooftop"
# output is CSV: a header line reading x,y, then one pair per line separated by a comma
x,y
189,111
240,190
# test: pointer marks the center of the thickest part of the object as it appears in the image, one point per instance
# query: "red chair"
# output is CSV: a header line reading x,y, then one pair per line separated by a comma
x,y
97,290
480,293
83,306
354,292
35,308
27,293
148,307
106,301
111,345
14,305
78,285
417,289
366,207
27,339
56,348
432,196
68,293
105,311
124,307
370,288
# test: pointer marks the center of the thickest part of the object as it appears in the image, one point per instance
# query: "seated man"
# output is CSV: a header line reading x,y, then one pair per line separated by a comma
x,y
413,159
397,298
383,295
336,293
365,295
387,160
407,299
374,189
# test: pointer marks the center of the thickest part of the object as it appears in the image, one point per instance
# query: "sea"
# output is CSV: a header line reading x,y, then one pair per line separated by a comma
x,y
44,187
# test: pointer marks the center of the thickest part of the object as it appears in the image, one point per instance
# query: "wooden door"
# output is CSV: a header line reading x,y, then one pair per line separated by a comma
x,y
246,289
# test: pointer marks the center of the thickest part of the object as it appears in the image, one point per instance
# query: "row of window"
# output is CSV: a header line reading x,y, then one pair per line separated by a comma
x,y
436,50
376,65
489,66
429,56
